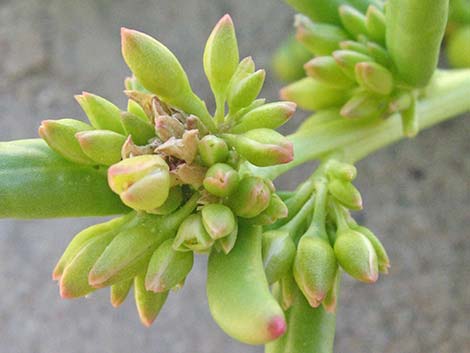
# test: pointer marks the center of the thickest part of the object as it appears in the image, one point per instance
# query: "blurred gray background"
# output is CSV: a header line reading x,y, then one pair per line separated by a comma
x,y
416,193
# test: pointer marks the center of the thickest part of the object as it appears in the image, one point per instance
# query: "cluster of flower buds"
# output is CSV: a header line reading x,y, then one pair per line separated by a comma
x,y
180,169
308,251
352,69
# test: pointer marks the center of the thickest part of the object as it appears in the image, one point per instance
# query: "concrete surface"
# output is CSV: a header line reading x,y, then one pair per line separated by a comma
x,y
416,194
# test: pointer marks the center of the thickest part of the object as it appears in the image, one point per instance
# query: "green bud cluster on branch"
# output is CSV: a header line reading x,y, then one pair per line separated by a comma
x,y
320,237
369,60
179,168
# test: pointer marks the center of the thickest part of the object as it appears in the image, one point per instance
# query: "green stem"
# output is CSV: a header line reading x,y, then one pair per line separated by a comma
x,y
445,98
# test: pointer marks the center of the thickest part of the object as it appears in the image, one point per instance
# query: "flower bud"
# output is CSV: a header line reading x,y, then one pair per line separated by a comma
x,y
140,130
227,243
458,47
142,182
167,127
148,303
375,24
174,200
382,256
102,114
347,60
132,83
221,180
246,91
302,91
159,71
271,116
245,68
354,46
346,194
277,209
353,20
212,150
119,292
74,280
340,170
288,60
357,256
143,100
184,148
327,71
135,109
314,268
331,299
364,105
167,268
379,54
251,197
278,254
60,136
218,220
192,236
374,77
262,147
102,146
221,55
288,289
319,38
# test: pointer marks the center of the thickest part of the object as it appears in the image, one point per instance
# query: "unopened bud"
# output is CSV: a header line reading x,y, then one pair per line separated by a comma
x,y
374,77
319,38
141,131
341,170
354,46
221,55
347,60
271,116
137,110
302,91
218,220
160,72
382,256
251,197
102,114
326,70
148,303
245,68
245,91
357,256
192,236
167,267
60,136
174,200
278,254
314,268
353,20
345,193
288,60
119,292
221,180
277,209
364,105
212,150
102,146
262,147
142,182
375,24
227,243
379,54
